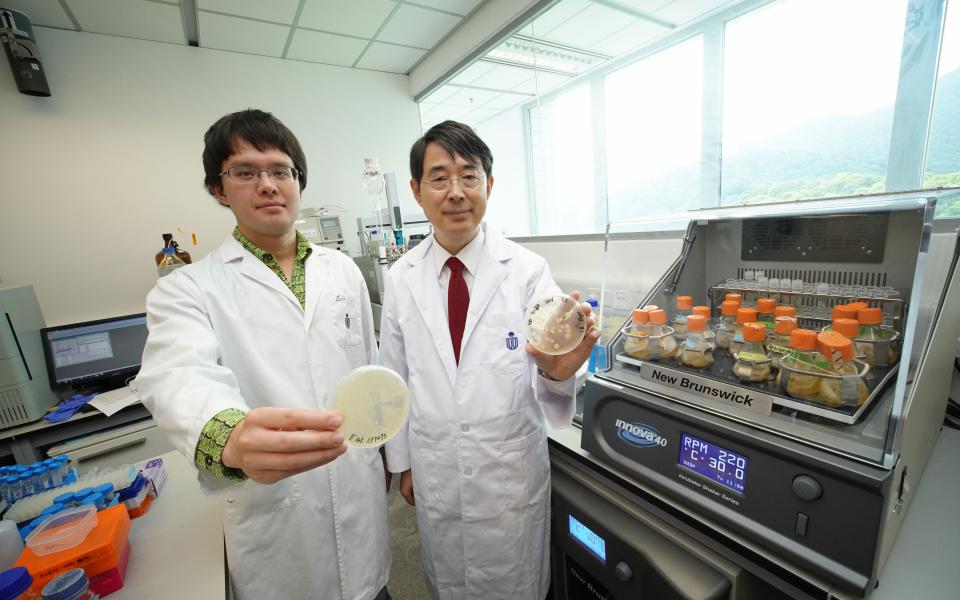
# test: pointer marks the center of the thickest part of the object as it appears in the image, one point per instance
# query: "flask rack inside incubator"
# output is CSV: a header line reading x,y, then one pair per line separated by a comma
x,y
808,303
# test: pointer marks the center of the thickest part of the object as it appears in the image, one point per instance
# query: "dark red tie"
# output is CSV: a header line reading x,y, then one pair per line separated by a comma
x,y
458,299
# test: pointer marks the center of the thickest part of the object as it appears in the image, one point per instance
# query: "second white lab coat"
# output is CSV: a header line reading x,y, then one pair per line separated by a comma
x,y
226,332
475,438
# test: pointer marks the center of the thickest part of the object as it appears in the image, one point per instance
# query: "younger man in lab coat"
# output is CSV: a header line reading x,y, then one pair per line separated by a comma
x,y
243,348
474,451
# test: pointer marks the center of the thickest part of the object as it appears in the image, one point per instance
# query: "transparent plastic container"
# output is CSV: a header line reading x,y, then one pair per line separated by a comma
x,y
679,321
727,323
62,530
874,342
72,585
708,333
844,385
555,324
752,363
744,316
765,308
778,342
653,340
695,350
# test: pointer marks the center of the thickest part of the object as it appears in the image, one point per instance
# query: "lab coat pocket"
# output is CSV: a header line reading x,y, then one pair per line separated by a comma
x,y
346,323
252,501
503,341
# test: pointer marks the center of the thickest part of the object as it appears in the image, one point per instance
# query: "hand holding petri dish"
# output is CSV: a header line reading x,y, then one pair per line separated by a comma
x,y
374,402
555,324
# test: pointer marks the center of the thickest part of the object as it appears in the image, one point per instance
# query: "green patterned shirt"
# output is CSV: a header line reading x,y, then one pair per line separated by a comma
x,y
213,438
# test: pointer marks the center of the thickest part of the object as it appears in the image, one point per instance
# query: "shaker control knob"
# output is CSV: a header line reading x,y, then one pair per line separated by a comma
x,y
623,571
807,488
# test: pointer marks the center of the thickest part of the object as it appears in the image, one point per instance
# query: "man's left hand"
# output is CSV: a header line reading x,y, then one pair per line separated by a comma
x,y
563,366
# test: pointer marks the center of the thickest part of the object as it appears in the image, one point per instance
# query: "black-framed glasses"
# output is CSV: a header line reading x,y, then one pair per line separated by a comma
x,y
277,175
442,183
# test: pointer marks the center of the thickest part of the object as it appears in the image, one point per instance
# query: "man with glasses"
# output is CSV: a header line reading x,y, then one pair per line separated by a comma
x,y
243,348
473,456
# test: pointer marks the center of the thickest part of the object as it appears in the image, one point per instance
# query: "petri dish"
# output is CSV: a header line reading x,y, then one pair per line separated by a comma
x,y
374,402
555,324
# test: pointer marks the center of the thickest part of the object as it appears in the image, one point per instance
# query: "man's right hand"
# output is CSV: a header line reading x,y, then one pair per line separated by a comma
x,y
406,487
270,443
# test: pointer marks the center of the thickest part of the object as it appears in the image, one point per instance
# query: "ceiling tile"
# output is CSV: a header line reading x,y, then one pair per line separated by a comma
x,y
473,72
393,59
470,98
480,114
356,17
440,95
415,26
507,100
445,111
555,17
42,13
461,7
589,27
130,18
681,11
504,77
277,11
541,83
325,48
644,6
241,35
632,36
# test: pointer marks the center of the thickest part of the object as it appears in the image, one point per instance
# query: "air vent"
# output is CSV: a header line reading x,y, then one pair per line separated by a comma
x,y
837,238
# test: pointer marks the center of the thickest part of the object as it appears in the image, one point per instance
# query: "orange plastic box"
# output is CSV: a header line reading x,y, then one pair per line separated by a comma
x,y
101,551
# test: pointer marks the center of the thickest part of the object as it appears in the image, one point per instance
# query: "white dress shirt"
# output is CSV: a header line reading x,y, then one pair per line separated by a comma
x,y
469,255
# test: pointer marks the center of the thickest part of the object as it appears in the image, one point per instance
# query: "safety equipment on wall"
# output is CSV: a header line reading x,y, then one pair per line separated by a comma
x,y
16,35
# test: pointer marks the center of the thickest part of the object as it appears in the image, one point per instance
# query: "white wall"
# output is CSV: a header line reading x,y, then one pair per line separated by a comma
x,y
94,174
509,209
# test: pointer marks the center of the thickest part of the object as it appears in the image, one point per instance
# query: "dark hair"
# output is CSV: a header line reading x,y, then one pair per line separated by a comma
x,y
261,130
455,138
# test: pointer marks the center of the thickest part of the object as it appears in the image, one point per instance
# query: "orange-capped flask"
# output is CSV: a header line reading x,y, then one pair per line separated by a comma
x,y
799,366
876,343
752,362
765,308
844,386
726,326
744,316
696,351
679,321
708,333
778,342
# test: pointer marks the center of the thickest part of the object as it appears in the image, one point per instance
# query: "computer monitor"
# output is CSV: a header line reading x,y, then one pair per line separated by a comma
x,y
96,353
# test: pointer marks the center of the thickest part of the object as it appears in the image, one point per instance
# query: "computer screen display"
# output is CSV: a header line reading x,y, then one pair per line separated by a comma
x,y
95,351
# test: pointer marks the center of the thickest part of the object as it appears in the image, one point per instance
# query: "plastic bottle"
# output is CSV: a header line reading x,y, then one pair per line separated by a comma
x,y
72,585
11,545
873,338
744,316
778,342
799,366
598,355
636,338
765,308
752,362
167,238
848,389
727,324
15,585
708,333
679,321
169,263
695,350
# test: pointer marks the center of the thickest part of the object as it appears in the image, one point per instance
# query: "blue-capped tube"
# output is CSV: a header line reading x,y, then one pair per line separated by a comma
x,y
106,490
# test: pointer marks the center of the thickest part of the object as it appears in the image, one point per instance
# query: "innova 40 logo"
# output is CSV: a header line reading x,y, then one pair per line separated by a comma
x,y
640,435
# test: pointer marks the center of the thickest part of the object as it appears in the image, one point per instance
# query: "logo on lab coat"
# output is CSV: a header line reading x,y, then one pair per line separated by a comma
x,y
346,320
513,342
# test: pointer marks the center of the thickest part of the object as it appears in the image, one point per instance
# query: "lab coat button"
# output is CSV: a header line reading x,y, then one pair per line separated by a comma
x,y
464,428
467,471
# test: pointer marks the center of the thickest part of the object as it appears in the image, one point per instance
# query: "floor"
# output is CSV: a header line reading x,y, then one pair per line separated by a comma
x,y
406,579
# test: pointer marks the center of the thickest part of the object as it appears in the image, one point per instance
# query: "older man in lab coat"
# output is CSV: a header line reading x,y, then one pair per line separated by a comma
x,y
243,347
473,456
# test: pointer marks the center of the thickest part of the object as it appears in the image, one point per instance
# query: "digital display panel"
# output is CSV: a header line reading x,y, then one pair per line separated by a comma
x,y
723,466
594,544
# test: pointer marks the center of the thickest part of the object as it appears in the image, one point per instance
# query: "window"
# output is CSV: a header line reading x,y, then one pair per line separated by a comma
x,y
942,166
809,89
561,136
654,131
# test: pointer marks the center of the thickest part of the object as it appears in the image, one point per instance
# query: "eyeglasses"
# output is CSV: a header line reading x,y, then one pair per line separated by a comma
x,y
468,182
250,175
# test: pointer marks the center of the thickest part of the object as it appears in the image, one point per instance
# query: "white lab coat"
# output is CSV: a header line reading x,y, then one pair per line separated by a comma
x,y
475,437
226,332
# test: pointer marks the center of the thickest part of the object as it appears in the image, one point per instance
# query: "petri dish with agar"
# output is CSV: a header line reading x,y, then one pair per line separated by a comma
x,y
374,402
555,324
